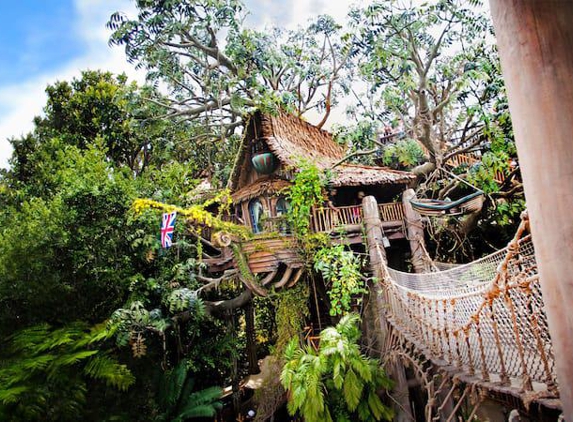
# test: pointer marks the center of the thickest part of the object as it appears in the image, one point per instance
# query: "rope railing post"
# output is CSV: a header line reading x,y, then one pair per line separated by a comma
x,y
440,331
533,318
471,368
447,331
459,362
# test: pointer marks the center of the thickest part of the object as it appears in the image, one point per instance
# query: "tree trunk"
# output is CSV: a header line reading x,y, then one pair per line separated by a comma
x,y
535,39
415,231
376,307
251,339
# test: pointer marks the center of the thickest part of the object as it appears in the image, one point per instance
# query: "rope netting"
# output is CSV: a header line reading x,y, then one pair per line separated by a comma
x,y
485,318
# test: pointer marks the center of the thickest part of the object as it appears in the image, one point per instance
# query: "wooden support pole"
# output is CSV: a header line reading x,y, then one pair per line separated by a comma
x,y
415,234
535,40
377,306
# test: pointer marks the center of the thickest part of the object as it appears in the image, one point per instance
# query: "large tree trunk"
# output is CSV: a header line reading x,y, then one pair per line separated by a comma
x,y
415,230
535,39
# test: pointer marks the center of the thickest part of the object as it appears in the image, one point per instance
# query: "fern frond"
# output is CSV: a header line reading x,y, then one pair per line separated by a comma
x,y
12,395
107,369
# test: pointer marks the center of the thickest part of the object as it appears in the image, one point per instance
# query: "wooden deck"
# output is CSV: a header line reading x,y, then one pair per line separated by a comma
x,y
343,224
349,219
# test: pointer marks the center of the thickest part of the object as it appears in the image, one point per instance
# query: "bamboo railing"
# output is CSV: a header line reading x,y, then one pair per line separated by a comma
x,y
392,211
326,219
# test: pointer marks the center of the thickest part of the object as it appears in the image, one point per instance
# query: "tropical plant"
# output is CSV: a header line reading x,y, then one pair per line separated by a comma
x,y
340,269
305,193
44,372
179,402
337,382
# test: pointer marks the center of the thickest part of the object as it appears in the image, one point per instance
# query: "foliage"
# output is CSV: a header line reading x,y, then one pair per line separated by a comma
x,y
195,214
178,400
430,69
291,312
218,69
64,255
44,370
403,155
337,382
341,270
359,137
72,250
305,193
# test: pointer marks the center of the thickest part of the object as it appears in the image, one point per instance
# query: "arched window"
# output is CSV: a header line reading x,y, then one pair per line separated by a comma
x,y
282,207
256,213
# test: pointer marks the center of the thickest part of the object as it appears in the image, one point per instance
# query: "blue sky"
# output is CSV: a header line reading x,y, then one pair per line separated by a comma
x,y
42,41
36,36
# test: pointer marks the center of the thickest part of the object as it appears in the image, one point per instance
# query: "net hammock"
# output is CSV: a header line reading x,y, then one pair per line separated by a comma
x,y
485,318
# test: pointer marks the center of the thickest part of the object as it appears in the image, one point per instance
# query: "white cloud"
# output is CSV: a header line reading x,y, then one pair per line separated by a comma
x,y
20,102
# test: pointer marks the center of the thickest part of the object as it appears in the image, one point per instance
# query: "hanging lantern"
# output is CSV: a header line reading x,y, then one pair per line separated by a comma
x,y
264,162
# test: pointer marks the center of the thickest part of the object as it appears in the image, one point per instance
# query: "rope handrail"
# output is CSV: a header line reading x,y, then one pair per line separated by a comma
x,y
474,276
485,318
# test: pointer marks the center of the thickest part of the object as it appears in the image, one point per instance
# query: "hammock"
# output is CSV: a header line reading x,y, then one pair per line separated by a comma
x,y
431,207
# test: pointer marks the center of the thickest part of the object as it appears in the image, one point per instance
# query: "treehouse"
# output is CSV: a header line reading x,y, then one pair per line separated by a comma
x,y
272,150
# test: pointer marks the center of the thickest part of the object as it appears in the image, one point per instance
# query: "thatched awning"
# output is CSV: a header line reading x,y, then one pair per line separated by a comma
x,y
267,186
357,175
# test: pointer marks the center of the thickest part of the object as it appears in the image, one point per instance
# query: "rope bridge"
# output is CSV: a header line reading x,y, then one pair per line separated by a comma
x,y
485,319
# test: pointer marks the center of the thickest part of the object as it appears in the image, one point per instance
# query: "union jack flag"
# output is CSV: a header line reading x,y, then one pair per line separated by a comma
x,y
167,228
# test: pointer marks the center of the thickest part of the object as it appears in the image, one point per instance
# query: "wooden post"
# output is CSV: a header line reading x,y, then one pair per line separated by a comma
x,y
535,40
251,339
377,306
415,234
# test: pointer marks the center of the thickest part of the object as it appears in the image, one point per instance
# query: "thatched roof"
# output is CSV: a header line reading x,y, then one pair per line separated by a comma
x,y
261,187
291,139
358,175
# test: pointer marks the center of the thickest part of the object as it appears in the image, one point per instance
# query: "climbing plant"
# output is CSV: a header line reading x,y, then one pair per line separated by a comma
x,y
340,269
336,382
305,192
291,313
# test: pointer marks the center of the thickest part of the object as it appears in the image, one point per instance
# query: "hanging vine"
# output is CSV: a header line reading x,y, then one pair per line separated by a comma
x,y
341,270
305,193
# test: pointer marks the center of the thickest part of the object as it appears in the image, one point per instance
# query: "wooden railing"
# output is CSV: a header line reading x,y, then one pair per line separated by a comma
x,y
328,219
392,211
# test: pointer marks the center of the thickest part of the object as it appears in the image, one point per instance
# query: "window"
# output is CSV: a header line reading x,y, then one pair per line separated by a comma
x,y
282,206
256,213
282,209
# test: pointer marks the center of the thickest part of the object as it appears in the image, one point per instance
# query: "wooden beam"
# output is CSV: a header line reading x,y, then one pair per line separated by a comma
x,y
378,325
535,40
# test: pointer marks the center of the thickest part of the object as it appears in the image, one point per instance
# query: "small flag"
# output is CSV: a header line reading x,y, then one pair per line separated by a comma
x,y
167,228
